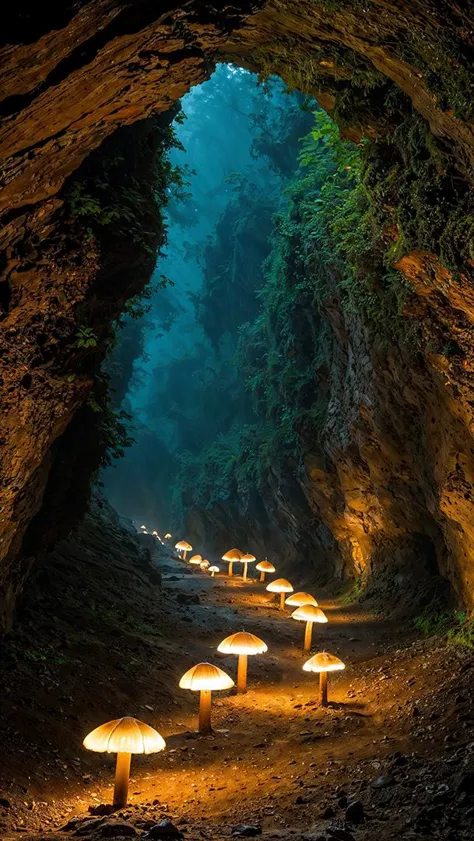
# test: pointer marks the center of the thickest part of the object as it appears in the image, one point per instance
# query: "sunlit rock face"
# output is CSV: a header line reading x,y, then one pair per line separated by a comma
x,y
394,479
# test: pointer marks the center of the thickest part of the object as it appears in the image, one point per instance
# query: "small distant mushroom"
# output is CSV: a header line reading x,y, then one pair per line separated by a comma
x,y
263,567
281,586
297,599
124,736
205,678
143,528
309,613
246,560
183,546
213,569
167,536
231,556
242,644
204,564
155,534
323,663
196,559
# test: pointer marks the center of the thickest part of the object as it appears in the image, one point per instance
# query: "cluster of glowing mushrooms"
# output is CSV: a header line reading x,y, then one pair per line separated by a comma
x,y
125,736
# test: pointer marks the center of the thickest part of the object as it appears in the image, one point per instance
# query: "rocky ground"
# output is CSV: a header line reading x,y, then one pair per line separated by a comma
x,y
99,637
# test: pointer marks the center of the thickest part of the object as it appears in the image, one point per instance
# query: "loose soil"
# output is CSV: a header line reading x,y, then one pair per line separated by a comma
x,y
110,625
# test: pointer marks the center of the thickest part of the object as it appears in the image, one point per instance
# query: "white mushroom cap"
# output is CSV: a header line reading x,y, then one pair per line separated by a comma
x,y
183,546
232,555
265,566
323,662
242,643
124,735
205,676
280,585
309,613
297,599
213,568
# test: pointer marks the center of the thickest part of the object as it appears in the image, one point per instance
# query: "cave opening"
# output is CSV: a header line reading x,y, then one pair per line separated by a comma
x,y
188,367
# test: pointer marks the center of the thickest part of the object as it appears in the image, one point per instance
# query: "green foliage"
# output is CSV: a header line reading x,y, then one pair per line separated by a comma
x,y
112,201
85,337
456,627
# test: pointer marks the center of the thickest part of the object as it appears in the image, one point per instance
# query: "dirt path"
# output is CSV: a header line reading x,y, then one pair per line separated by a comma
x,y
276,761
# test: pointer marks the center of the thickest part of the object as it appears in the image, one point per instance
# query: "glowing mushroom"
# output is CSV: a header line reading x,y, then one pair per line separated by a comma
x,y
281,586
297,599
323,663
263,567
204,565
246,560
124,736
231,556
205,678
155,534
143,528
196,559
213,569
183,547
167,536
242,644
309,613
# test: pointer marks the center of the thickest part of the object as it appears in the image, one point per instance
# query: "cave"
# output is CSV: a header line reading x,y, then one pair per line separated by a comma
x,y
236,310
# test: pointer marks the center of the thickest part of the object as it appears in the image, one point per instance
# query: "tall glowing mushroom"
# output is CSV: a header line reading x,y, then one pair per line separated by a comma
x,y
213,569
263,567
297,599
242,644
309,613
205,678
124,736
183,546
246,560
281,586
323,663
231,556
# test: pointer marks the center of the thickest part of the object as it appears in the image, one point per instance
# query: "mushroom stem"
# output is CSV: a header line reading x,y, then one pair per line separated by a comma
x,y
308,633
245,572
262,575
122,776
242,674
282,601
323,689
230,568
212,574
184,554
205,711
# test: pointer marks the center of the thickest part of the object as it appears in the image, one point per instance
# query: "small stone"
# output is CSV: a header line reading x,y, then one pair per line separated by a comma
x,y
246,831
383,781
5,802
466,783
165,829
327,813
355,812
340,834
111,829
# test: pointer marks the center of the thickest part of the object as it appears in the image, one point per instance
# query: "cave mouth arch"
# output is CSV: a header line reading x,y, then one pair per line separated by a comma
x,y
378,72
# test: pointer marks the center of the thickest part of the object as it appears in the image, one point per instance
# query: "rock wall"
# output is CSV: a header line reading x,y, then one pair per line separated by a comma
x,y
70,79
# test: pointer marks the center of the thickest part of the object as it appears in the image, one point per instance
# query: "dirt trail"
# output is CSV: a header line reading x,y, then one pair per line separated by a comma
x,y
276,761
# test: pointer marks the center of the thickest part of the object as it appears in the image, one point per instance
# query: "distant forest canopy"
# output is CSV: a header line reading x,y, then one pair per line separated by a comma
x,y
176,367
